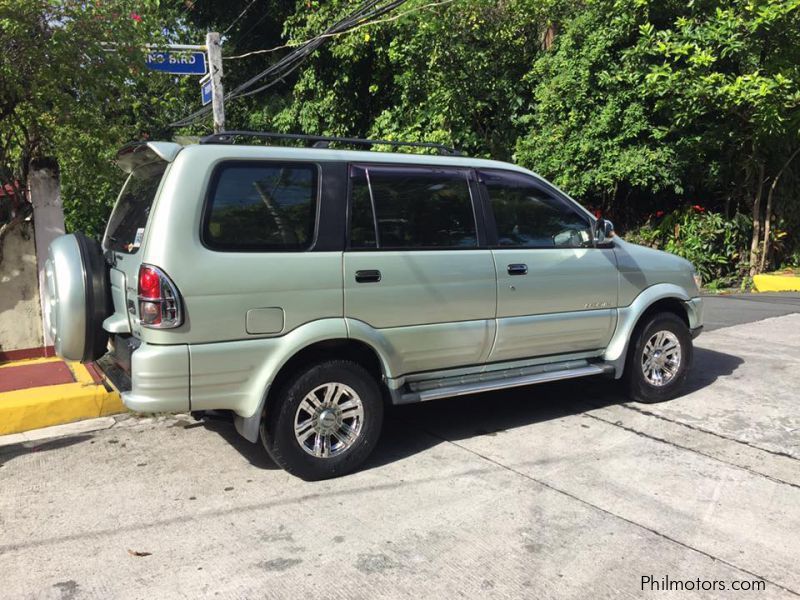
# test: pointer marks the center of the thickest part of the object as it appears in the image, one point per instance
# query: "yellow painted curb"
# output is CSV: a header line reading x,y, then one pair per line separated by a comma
x,y
32,408
776,283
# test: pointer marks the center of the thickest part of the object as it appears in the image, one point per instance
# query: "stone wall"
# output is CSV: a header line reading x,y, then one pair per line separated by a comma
x,y
20,310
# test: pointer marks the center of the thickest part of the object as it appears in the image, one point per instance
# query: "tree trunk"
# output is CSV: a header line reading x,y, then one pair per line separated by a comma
x,y
766,249
757,221
765,245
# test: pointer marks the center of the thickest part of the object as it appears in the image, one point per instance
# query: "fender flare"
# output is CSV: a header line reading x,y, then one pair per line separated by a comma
x,y
628,317
294,342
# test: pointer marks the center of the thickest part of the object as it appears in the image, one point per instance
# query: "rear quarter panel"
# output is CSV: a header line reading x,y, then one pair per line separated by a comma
x,y
220,288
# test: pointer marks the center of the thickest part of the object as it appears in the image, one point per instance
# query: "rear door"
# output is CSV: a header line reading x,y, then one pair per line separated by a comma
x,y
416,269
124,237
556,292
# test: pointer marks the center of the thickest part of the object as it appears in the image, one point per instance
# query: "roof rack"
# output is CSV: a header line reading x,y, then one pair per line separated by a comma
x,y
322,141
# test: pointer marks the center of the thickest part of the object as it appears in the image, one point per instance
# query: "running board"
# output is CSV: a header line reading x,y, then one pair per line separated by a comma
x,y
475,387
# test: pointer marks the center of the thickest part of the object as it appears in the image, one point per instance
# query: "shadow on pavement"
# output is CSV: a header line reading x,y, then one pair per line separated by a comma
x,y
12,451
708,366
415,428
255,454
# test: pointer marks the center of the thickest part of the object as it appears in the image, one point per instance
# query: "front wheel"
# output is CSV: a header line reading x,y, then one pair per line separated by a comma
x,y
326,421
659,357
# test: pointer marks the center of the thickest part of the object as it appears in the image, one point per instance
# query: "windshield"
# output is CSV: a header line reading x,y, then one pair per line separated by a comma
x,y
125,229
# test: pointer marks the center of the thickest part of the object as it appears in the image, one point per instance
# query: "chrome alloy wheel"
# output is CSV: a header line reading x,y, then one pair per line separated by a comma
x,y
661,358
329,420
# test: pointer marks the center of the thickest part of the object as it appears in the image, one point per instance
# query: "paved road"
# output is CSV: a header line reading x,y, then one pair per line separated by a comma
x,y
562,490
736,309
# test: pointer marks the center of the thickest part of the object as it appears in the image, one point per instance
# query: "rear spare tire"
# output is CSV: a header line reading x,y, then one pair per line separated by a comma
x,y
79,297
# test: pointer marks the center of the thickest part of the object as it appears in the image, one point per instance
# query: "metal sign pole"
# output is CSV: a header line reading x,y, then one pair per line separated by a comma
x,y
214,50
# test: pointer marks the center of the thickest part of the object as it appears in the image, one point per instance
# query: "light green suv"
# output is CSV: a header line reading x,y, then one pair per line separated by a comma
x,y
304,288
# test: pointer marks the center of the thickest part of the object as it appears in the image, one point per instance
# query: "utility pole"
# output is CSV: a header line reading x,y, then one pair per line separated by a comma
x,y
214,50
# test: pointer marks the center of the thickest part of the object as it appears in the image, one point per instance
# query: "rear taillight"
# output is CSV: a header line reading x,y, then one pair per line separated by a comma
x,y
159,301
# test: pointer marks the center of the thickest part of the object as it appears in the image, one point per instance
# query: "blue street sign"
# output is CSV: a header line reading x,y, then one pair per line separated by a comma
x,y
205,91
179,63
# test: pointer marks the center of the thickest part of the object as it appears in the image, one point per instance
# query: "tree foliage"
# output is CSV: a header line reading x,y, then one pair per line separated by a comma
x,y
73,88
631,106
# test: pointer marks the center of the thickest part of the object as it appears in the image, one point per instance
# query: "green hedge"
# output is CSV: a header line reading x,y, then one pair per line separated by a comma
x,y
716,245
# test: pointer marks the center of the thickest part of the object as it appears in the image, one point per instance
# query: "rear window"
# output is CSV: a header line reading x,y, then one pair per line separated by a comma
x,y
128,219
262,206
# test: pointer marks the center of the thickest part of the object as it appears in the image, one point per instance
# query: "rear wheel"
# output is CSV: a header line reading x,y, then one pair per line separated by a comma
x,y
658,359
326,421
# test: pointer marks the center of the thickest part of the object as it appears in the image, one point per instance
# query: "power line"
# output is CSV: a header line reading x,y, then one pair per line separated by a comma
x,y
244,35
241,14
290,62
359,26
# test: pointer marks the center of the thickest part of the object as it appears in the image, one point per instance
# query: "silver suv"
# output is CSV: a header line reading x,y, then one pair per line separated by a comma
x,y
304,288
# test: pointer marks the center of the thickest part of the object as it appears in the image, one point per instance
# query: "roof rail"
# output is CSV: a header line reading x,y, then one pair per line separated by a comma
x,y
322,141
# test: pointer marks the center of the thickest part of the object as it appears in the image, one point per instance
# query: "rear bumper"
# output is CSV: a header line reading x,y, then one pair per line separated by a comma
x,y
697,331
159,379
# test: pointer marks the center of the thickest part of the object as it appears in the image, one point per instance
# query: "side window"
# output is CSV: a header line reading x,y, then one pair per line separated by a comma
x,y
411,207
529,216
362,223
262,206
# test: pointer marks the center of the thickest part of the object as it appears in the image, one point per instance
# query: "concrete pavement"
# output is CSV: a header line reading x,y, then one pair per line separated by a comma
x,y
562,490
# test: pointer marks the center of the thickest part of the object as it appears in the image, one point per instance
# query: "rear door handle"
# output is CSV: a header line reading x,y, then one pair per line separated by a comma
x,y
368,276
517,269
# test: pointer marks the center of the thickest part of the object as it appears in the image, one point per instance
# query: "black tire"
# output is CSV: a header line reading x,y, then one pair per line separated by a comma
x,y
278,425
638,387
99,305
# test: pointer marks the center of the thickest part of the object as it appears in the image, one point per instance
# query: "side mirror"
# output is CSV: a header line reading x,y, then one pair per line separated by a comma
x,y
603,231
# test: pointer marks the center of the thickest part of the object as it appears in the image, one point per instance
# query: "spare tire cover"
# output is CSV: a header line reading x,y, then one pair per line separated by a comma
x,y
79,297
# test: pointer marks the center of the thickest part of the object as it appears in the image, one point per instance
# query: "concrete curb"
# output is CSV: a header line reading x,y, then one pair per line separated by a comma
x,y
776,283
37,407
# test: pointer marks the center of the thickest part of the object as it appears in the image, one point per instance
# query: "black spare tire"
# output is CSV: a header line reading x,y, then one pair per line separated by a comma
x,y
79,297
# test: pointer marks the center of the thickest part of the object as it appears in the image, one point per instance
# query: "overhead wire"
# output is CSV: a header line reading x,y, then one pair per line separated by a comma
x,y
281,64
328,35
241,14
286,65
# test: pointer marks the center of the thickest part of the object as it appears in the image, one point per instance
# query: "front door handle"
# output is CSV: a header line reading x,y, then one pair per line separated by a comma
x,y
517,269
368,276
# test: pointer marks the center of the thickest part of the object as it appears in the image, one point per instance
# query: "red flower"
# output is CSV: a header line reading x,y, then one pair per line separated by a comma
x,y
598,213
698,208
659,214
136,17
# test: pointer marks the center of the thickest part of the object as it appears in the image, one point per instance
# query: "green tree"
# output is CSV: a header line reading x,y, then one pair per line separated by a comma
x,y
729,73
590,126
73,88
447,71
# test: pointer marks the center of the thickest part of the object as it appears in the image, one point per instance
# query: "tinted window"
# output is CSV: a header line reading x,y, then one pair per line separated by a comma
x,y
129,217
262,207
362,224
414,208
529,216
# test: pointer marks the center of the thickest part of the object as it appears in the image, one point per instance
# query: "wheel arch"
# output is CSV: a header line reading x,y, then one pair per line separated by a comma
x,y
658,298
334,348
669,304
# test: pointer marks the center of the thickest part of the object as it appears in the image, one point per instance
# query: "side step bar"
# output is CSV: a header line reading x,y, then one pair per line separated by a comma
x,y
501,384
